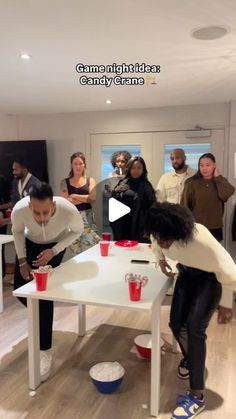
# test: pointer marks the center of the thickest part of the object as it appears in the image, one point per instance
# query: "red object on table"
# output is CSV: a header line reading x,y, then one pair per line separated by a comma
x,y
126,243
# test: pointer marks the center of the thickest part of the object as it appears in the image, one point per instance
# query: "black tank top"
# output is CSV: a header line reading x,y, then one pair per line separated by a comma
x,y
83,190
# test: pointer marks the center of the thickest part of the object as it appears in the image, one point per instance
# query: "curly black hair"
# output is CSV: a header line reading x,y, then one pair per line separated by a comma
x,y
165,221
117,154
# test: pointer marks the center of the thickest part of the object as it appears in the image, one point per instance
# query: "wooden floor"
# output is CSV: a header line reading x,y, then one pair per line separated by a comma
x,y
69,393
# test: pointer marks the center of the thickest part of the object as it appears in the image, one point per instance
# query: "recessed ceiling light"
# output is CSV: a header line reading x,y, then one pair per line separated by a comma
x,y
209,33
25,56
108,102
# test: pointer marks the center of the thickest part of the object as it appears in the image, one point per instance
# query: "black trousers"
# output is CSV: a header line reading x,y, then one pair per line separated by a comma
x,y
45,307
196,296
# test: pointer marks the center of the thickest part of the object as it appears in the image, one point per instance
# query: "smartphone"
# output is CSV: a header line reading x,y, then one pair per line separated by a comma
x,y
139,261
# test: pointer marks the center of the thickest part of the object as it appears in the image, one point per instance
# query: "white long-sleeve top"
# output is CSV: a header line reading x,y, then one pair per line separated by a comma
x,y
206,253
171,185
63,227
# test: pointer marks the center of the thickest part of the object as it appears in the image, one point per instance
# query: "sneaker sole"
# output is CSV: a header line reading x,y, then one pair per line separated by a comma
x,y
193,416
183,378
45,377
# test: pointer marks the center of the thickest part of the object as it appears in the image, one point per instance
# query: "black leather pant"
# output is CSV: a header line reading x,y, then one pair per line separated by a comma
x,y
45,307
196,297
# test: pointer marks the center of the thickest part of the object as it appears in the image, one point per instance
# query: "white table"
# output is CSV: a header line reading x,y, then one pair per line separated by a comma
x,y
91,279
4,238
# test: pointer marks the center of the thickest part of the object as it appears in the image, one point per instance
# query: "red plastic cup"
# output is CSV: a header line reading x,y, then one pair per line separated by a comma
x,y
106,236
104,248
135,290
8,213
41,280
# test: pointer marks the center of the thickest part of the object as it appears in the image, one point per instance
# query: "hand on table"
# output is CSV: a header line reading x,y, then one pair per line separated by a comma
x,y
166,268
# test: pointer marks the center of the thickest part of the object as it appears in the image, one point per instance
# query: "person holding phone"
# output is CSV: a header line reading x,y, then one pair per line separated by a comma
x,y
205,194
138,194
119,161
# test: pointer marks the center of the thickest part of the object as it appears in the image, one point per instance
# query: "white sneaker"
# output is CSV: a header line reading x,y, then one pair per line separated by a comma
x,y
45,365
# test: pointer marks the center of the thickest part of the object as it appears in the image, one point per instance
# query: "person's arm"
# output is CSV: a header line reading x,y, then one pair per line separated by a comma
x,y
18,228
225,310
160,191
161,260
63,189
79,199
224,188
225,270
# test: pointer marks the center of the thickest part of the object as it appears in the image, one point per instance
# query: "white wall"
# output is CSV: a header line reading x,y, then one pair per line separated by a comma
x,y
67,133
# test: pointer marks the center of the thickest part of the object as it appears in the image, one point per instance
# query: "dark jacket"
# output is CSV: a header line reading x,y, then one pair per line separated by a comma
x,y
139,197
15,196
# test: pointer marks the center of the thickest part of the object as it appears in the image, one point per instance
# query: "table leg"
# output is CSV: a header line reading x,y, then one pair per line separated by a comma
x,y
155,359
33,343
82,320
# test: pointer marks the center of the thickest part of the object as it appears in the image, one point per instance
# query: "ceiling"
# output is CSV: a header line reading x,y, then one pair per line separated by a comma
x,y
61,33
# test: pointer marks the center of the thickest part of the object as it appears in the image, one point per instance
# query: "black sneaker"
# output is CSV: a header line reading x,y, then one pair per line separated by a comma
x,y
183,371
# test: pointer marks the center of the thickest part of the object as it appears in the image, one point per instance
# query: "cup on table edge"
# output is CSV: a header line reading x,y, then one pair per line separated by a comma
x,y
135,288
106,236
136,283
104,247
41,279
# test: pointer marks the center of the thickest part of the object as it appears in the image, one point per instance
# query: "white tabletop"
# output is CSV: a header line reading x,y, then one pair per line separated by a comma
x,y
5,238
92,279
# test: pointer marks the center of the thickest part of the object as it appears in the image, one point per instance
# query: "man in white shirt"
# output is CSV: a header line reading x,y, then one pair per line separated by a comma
x,y
43,226
171,185
206,279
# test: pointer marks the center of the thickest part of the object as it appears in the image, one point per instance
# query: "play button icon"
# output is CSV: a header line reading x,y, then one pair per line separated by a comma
x,y
116,209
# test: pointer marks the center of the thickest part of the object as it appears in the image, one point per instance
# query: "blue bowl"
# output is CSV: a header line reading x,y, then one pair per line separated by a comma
x,y
107,387
107,376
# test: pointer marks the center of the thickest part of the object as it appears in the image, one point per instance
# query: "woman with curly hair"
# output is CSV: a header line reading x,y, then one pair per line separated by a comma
x,y
79,189
119,161
136,192
203,267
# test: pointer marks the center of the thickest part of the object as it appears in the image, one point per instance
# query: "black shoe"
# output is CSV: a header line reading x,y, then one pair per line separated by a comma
x,y
183,371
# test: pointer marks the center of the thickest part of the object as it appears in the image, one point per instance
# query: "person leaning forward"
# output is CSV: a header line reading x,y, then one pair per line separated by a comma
x,y
42,227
